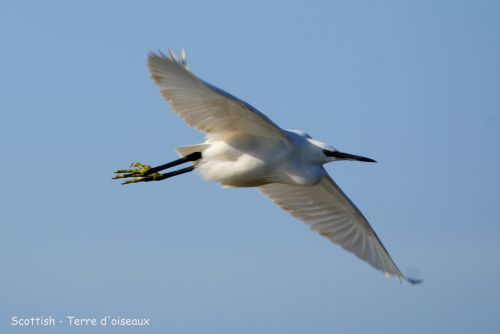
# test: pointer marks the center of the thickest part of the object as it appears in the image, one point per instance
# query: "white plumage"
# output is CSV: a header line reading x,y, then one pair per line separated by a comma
x,y
244,148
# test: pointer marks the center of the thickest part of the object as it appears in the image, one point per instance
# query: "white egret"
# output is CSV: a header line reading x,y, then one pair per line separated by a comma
x,y
244,148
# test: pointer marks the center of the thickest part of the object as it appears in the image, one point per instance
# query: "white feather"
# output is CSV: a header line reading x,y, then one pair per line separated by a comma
x,y
244,148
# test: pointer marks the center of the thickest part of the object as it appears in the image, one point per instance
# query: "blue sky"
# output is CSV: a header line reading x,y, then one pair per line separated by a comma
x,y
412,84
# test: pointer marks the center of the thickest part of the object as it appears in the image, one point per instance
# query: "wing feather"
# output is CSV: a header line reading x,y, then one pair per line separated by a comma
x,y
203,106
328,211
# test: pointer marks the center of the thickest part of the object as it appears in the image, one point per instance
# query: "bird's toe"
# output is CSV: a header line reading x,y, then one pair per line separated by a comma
x,y
138,171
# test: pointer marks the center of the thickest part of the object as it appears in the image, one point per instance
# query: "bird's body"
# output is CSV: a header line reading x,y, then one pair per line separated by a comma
x,y
244,148
246,160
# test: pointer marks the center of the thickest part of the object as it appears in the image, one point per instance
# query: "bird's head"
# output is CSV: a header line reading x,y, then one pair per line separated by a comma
x,y
328,153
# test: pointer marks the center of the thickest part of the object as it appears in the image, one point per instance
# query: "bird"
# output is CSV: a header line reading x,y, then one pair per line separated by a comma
x,y
244,148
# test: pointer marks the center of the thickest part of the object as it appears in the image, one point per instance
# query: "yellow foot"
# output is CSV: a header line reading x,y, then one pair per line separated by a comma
x,y
140,173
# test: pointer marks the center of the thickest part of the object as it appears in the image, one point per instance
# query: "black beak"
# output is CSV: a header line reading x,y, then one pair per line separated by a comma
x,y
346,156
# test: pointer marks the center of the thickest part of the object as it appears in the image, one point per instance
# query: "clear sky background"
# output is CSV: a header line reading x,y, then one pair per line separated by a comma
x,y
412,84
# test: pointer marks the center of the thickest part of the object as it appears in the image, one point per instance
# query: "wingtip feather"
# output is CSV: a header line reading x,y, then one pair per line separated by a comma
x,y
414,281
173,56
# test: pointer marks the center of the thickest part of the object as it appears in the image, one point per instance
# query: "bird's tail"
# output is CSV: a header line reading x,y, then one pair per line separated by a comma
x,y
186,150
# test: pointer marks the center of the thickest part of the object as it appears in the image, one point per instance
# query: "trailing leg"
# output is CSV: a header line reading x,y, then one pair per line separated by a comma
x,y
190,157
146,173
158,176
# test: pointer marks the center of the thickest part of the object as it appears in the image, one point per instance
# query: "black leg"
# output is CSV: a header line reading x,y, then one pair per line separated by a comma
x,y
190,157
158,176
169,174
144,173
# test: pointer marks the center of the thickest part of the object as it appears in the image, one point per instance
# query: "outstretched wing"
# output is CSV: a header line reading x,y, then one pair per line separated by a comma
x,y
204,106
328,211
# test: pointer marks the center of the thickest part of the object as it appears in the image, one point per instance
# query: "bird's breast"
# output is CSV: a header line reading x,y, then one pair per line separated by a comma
x,y
250,162
239,163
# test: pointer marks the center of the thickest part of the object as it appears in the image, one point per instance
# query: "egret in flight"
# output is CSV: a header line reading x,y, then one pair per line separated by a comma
x,y
244,148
